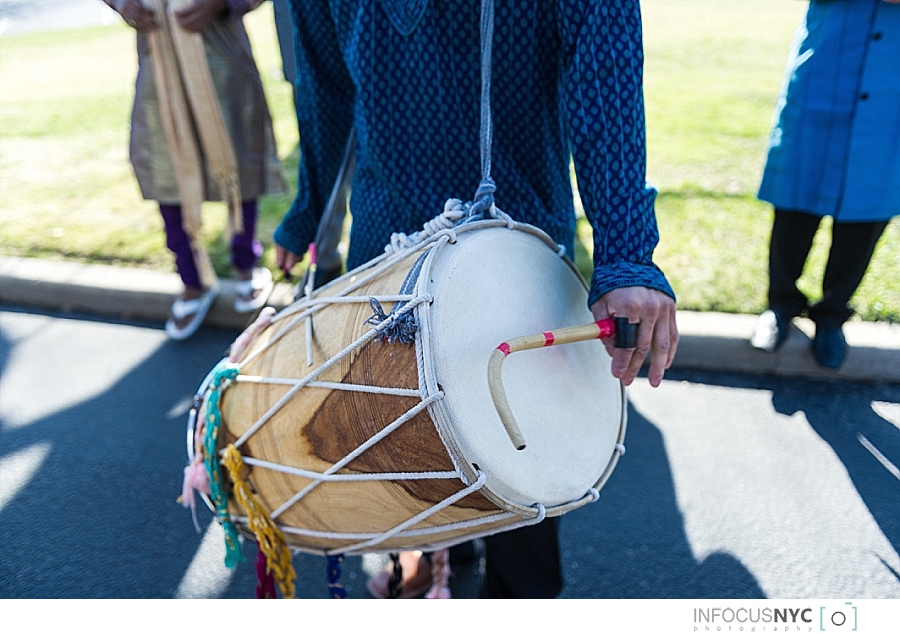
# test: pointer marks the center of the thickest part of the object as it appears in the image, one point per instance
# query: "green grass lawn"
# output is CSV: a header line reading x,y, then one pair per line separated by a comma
x,y
713,70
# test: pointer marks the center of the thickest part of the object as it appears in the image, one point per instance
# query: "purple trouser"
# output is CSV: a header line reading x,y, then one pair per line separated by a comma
x,y
245,249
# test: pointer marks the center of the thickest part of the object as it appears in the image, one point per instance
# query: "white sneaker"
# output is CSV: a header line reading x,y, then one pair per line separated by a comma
x,y
770,332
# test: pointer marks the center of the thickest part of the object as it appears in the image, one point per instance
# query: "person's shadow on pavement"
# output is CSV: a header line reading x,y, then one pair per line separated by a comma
x,y
632,544
865,441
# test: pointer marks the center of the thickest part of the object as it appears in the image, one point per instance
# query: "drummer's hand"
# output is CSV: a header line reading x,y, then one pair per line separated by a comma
x,y
200,15
284,259
136,15
658,334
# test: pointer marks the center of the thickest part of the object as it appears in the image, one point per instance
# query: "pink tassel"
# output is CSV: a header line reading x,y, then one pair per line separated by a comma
x,y
265,585
195,479
199,431
240,345
440,575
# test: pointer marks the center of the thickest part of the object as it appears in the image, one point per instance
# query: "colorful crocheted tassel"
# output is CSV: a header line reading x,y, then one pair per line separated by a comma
x,y
224,372
195,479
271,540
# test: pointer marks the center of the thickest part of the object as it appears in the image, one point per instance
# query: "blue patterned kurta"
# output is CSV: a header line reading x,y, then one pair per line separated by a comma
x,y
567,81
835,146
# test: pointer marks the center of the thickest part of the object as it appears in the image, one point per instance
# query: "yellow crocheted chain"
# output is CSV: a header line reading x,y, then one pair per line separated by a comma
x,y
268,535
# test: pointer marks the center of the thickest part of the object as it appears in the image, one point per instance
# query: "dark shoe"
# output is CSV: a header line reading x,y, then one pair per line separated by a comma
x,y
771,331
466,553
830,347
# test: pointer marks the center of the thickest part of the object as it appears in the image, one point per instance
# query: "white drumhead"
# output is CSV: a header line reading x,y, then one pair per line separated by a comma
x,y
490,286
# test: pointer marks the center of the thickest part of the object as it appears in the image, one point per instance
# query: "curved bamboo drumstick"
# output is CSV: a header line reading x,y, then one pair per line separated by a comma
x,y
626,337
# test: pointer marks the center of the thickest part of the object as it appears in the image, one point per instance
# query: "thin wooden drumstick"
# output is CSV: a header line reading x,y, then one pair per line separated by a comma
x,y
596,330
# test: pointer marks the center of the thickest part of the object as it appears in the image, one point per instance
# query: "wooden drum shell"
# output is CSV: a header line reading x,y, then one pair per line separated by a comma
x,y
319,426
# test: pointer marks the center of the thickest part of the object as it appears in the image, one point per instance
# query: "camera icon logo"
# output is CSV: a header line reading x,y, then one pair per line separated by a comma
x,y
842,618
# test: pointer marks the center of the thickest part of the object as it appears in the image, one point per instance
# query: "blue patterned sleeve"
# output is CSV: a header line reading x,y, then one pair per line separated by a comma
x,y
325,95
604,111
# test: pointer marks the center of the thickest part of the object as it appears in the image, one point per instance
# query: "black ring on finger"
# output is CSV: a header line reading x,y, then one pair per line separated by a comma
x,y
626,333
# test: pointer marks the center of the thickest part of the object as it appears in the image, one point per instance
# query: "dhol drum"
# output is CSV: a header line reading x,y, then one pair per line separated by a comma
x,y
363,414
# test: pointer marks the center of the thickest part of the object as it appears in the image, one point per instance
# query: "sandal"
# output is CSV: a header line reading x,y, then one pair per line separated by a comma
x,y
416,577
253,293
195,308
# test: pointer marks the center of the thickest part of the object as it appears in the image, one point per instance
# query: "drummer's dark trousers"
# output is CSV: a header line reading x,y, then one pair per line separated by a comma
x,y
852,246
524,563
245,248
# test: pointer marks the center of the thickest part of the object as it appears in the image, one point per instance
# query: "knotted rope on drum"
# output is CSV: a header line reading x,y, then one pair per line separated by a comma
x,y
402,326
454,211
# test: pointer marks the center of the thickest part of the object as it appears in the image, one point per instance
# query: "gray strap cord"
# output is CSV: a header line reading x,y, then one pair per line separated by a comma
x,y
484,196
455,211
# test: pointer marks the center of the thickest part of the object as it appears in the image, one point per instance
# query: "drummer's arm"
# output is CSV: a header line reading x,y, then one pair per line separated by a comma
x,y
325,96
608,147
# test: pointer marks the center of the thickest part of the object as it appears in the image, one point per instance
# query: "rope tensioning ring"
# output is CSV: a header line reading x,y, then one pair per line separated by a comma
x,y
626,335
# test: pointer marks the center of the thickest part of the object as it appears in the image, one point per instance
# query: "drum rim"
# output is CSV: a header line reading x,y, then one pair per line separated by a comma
x,y
439,414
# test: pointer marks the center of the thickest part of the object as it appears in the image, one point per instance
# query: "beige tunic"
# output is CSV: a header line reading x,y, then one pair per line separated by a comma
x,y
244,110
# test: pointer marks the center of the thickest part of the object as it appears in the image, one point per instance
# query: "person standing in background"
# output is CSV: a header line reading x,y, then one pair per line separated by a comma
x,y
247,123
834,151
